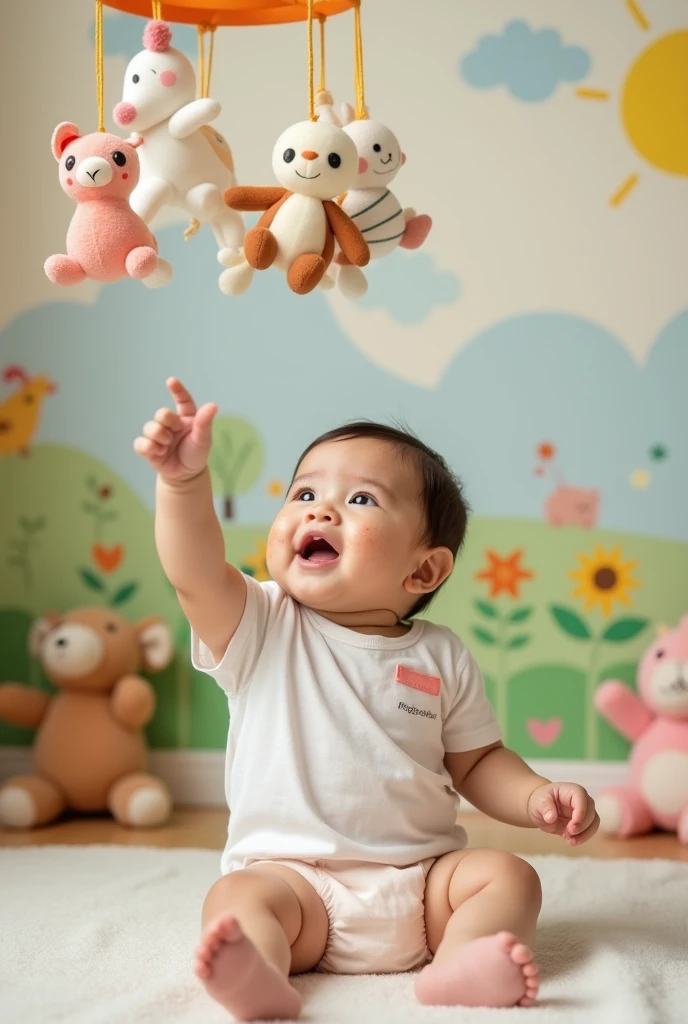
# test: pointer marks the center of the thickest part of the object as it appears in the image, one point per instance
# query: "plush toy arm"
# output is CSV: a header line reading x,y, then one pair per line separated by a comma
x,y
21,705
351,241
251,198
192,117
623,709
133,702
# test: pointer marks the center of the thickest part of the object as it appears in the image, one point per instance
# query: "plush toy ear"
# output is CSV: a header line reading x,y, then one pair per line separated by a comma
x,y
662,629
62,136
135,141
348,114
157,647
39,631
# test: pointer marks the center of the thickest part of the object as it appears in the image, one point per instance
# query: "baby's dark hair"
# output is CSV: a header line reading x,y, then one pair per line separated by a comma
x,y
446,509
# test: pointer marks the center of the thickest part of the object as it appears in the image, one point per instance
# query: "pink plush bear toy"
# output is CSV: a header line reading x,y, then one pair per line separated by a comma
x,y
656,722
106,240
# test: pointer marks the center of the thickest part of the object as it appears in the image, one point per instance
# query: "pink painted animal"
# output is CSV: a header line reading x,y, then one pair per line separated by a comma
x,y
106,240
655,720
572,506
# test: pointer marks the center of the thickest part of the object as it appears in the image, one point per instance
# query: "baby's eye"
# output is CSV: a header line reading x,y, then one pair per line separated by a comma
x,y
363,499
305,496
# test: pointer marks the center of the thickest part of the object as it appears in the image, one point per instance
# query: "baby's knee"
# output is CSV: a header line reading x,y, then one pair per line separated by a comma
x,y
235,892
514,873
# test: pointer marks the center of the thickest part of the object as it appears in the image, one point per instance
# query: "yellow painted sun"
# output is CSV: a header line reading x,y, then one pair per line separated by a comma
x,y
653,104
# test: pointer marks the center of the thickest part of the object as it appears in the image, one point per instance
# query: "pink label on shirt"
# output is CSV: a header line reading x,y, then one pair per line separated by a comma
x,y
418,681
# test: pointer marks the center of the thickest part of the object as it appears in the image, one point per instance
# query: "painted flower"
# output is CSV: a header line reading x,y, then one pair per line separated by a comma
x,y
504,574
546,450
275,488
658,452
256,564
105,492
604,578
107,558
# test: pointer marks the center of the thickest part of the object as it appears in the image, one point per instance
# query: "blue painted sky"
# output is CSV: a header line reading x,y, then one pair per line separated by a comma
x,y
284,363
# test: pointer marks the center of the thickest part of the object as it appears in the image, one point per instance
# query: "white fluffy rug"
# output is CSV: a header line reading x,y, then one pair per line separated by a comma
x,y
104,934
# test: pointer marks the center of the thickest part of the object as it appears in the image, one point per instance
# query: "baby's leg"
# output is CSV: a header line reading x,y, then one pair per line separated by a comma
x,y
481,909
260,925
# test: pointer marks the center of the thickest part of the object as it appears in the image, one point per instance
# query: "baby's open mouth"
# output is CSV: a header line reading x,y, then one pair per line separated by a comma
x,y
317,551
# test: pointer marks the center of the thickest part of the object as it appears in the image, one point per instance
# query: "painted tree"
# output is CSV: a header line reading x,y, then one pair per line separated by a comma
x,y
236,459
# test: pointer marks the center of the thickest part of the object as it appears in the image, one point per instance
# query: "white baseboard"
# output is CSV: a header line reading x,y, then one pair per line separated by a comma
x,y
196,777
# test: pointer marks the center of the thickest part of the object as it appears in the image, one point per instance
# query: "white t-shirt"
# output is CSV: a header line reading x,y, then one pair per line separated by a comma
x,y
337,738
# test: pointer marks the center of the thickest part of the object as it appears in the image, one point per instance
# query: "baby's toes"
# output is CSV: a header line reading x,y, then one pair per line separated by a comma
x,y
520,954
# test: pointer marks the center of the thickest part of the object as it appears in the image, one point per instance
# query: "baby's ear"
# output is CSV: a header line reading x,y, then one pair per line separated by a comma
x,y
62,136
436,566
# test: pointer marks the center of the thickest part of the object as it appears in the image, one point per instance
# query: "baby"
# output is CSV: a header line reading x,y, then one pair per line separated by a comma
x,y
354,728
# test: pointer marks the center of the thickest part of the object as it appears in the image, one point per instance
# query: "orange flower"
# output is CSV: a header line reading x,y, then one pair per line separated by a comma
x,y
546,450
504,574
107,558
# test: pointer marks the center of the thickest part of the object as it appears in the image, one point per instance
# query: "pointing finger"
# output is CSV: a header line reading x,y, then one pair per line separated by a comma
x,y
185,403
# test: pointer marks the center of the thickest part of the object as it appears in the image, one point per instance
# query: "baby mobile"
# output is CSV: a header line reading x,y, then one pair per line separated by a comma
x,y
331,212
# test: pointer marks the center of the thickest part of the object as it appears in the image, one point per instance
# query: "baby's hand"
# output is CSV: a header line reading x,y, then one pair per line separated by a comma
x,y
566,809
177,444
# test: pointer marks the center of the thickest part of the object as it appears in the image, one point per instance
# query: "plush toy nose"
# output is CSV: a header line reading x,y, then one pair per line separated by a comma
x,y
309,154
94,172
124,113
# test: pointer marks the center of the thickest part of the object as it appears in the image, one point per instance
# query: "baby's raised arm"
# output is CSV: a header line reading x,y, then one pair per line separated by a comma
x,y
187,531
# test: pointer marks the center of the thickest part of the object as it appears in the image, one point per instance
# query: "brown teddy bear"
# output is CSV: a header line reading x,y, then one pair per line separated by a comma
x,y
89,752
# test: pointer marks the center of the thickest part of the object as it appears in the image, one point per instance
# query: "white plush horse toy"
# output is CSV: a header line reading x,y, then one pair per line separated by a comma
x,y
184,162
374,209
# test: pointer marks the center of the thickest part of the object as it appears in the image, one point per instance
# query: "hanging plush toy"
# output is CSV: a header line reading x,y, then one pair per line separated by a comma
x,y
184,162
369,202
313,162
106,240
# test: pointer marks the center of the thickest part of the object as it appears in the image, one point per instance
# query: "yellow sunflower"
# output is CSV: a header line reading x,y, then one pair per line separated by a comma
x,y
604,578
256,564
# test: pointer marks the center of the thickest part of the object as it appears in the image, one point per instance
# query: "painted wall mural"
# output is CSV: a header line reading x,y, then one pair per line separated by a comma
x,y
539,341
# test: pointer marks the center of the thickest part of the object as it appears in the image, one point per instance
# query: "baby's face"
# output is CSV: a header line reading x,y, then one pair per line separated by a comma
x,y
350,532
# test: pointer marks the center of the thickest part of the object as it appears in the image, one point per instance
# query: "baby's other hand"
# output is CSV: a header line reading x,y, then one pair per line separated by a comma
x,y
177,444
564,809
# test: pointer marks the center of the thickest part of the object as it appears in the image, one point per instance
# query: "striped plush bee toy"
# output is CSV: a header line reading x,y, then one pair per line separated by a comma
x,y
373,208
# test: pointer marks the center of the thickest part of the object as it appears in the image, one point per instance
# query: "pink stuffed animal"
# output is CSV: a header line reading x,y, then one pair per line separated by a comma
x,y
106,240
656,722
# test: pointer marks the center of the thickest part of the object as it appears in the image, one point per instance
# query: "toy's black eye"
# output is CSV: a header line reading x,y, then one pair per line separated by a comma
x,y
377,147
288,156
660,654
119,158
135,79
28,399
69,163
110,627
334,160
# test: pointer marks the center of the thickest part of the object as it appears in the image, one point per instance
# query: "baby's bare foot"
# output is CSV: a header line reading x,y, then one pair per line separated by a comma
x,y
496,970
236,975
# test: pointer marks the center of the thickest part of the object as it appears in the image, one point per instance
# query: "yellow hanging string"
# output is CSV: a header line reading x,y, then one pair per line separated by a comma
x,y
201,60
312,116
322,87
361,112
157,10
205,67
99,66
